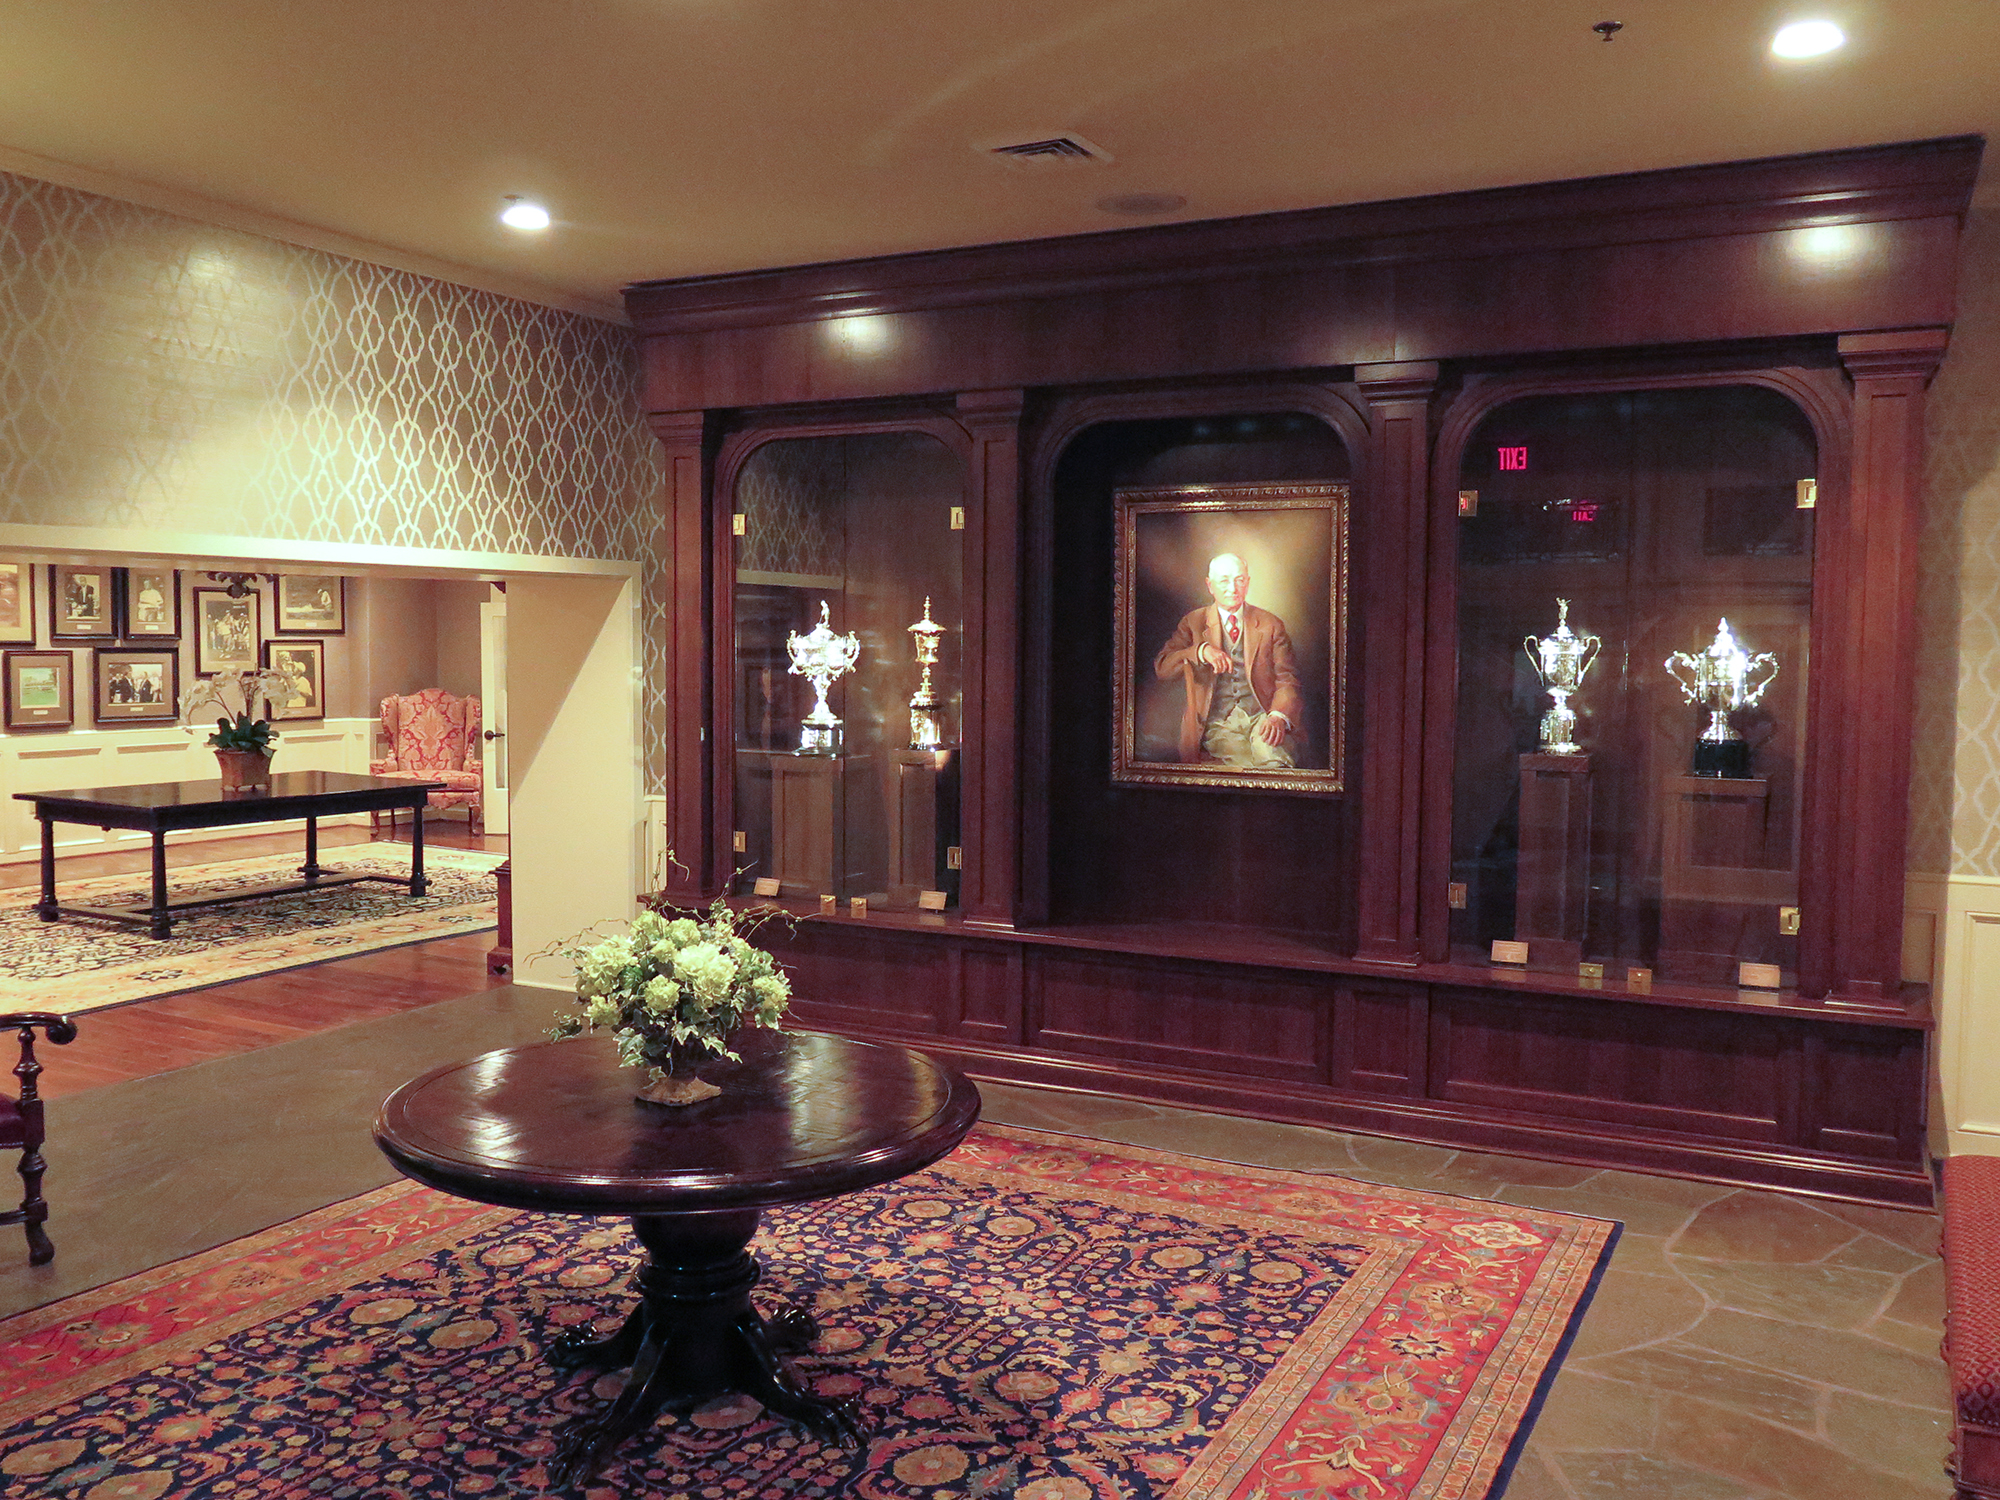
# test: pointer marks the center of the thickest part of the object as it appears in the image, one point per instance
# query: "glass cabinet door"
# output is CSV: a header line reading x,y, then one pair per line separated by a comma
x,y
1634,611
848,664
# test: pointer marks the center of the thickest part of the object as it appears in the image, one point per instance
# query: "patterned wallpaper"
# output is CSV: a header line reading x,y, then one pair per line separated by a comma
x,y
160,372
1955,787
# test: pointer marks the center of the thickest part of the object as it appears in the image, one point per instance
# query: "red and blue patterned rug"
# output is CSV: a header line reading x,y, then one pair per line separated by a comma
x,y
1037,1318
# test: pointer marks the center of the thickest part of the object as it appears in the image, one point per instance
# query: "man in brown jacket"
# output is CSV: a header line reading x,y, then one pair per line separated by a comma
x,y
1243,700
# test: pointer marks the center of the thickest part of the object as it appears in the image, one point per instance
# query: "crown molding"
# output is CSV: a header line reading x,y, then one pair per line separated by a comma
x,y
204,210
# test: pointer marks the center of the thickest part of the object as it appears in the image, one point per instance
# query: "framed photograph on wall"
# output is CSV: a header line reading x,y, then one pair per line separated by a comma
x,y
40,694
17,603
303,666
311,604
1231,608
225,631
149,603
135,686
80,607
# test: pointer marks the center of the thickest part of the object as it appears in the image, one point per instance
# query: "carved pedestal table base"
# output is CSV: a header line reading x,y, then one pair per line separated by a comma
x,y
556,1128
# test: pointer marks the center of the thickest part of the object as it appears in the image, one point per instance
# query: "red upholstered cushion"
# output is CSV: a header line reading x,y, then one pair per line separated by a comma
x,y
1972,1284
12,1131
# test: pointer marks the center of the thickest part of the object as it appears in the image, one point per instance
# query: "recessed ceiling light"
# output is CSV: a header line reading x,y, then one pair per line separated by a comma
x,y
521,214
1808,39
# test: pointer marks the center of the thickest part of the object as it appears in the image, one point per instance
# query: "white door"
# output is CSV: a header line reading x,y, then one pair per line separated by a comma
x,y
493,706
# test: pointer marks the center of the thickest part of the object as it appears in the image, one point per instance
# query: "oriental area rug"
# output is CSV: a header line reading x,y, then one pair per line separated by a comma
x,y
1037,1317
79,965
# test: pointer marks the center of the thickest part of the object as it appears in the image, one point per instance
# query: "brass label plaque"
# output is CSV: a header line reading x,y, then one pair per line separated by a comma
x,y
857,906
1639,979
1759,976
930,900
1509,953
829,906
1590,971
767,885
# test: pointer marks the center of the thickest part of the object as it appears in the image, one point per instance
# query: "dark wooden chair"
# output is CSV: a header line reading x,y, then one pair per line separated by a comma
x,y
21,1126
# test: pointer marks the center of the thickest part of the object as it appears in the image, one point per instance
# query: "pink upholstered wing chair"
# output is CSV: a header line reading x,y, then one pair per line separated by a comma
x,y
434,736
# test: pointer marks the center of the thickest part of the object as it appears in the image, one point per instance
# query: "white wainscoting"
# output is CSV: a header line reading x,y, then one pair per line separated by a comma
x,y
130,757
1968,1007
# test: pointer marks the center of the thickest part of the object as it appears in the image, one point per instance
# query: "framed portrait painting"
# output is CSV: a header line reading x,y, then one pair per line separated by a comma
x,y
80,607
303,666
149,603
39,691
1230,632
225,631
135,686
311,604
17,603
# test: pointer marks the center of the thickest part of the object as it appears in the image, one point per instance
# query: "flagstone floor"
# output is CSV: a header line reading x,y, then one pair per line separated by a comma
x,y
1743,1346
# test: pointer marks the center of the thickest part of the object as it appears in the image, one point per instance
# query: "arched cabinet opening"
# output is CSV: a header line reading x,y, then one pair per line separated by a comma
x,y
1169,805
846,579
1634,622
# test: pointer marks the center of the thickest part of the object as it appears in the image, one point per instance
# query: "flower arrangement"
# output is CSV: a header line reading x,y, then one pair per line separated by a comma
x,y
673,991
236,729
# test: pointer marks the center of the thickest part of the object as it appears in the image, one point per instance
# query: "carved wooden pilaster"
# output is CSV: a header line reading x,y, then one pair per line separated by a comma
x,y
991,828
1875,543
1391,591
692,875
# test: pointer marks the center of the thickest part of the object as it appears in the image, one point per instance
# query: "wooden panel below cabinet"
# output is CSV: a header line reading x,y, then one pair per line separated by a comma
x,y
989,991
1848,1109
1208,1017
1701,1073
1379,1035
844,974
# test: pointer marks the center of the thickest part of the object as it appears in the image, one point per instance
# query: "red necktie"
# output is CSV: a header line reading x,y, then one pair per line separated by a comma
x,y
1234,634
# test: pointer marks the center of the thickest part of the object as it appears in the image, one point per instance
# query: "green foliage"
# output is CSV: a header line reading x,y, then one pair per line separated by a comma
x,y
675,989
244,733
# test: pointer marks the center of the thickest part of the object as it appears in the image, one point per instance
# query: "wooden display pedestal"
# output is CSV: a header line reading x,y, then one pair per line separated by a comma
x,y
923,804
1552,877
1718,904
808,833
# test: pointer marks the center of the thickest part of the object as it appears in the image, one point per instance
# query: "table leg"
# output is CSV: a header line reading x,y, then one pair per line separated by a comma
x,y
418,885
163,921
310,869
46,908
694,1336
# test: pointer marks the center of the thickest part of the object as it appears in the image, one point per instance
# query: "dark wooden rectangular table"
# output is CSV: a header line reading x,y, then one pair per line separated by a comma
x,y
164,807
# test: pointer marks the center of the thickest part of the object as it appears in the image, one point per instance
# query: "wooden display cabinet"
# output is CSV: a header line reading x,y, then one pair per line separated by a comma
x,y
1295,957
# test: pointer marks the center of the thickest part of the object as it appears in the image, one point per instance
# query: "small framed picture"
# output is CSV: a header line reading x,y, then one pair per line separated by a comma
x,y
303,666
17,603
39,692
80,603
135,687
149,603
311,604
225,631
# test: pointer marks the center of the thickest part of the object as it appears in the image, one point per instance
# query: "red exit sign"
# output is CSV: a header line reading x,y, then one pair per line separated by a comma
x,y
1512,458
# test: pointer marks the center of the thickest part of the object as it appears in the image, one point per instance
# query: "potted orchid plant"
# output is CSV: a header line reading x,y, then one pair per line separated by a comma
x,y
243,739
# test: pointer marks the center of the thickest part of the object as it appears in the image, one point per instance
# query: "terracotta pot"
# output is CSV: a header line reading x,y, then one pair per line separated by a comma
x,y
244,770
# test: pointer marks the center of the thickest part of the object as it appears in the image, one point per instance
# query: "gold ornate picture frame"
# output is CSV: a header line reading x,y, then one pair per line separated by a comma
x,y
1264,708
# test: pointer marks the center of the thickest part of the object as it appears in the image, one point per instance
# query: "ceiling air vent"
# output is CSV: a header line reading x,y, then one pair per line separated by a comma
x,y
1048,151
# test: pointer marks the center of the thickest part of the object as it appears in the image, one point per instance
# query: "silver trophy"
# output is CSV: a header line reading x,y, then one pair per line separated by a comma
x,y
926,708
1560,660
1722,679
821,657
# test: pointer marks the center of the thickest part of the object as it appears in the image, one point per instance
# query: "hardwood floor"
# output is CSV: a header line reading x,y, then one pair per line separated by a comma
x,y
155,1036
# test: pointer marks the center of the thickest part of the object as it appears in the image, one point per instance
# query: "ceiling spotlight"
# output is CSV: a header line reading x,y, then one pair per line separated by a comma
x,y
1606,30
1807,39
521,214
